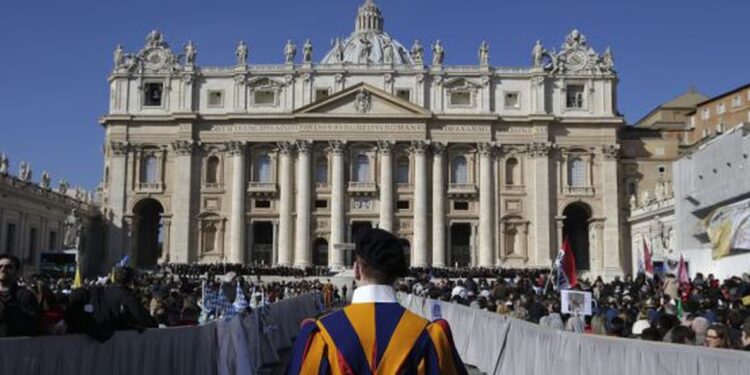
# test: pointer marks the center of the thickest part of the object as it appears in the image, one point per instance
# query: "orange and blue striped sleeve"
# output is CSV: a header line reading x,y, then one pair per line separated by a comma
x,y
309,352
441,351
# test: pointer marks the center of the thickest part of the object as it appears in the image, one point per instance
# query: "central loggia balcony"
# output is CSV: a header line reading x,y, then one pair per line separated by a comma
x,y
362,188
262,188
462,190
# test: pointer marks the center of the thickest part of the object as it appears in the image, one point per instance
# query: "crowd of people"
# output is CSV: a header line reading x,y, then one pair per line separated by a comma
x,y
172,295
706,311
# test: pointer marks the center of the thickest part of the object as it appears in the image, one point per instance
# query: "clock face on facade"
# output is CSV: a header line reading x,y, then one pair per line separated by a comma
x,y
576,60
154,58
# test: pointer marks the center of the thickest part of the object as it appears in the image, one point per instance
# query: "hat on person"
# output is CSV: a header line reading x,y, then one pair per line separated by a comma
x,y
383,251
639,326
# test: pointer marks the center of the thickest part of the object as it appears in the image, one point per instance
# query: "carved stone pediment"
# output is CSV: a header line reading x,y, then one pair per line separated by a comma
x,y
363,100
461,84
264,83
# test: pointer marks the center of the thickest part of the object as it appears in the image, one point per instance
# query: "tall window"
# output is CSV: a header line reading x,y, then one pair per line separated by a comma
x,y
576,171
574,96
362,168
212,170
321,170
263,169
402,171
209,237
511,172
149,170
459,171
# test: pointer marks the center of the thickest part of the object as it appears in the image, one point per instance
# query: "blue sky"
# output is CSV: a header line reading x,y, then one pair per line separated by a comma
x,y
55,55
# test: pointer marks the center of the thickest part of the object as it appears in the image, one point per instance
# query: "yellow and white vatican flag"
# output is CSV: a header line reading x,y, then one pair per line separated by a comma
x,y
77,280
728,227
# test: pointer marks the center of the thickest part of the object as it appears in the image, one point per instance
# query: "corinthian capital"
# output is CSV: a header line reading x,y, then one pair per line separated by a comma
x,y
183,147
119,148
285,148
438,148
419,147
235,147
385,147
304,147
336,147
486,148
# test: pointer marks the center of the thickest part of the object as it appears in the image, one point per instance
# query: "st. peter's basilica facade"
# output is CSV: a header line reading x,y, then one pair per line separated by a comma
x,y
283,164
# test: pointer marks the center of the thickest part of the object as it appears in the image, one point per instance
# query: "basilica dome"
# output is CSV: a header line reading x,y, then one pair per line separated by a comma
x,y
368,44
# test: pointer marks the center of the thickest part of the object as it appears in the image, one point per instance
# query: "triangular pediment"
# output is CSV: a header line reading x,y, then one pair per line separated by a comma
x,y
363,100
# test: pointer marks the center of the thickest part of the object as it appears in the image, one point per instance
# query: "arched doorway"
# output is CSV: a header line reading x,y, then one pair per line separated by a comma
x,y
148,230
576,230
320,252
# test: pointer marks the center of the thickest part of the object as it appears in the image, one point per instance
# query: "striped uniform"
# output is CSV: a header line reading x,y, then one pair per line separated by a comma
x,y
375,338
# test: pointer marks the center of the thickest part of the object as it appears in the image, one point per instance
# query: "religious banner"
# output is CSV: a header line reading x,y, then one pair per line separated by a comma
x,y
574,302
728,228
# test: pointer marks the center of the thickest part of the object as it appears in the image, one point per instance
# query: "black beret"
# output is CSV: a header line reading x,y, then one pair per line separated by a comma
x,y
383,251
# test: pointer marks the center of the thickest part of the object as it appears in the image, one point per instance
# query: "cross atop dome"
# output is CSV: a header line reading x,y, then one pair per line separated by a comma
x,y
369,18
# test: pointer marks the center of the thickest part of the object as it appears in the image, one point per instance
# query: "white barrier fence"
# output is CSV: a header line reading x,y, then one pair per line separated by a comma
x,y
497,344
237,346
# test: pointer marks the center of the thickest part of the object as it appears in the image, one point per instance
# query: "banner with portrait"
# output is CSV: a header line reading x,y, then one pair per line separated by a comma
x,y
728,228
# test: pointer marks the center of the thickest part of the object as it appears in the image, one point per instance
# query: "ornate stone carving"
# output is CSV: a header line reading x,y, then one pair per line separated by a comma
x,y
190,53
235,147
576,56
183,147
417,53
515,149
388,78
3,164
240,79
484,54
290,52
45,180
438,148
539,149
486,148
363,101
438,53
307,51
611,151
188,78
606,63
285,148
336,147
419,147
388,52
119,148
362,204
241,53
385,147
24,171
63,186
304,147
337,51
156,55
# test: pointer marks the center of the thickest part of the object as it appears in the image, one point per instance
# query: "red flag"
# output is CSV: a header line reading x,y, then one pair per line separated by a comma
x,y
569,264
682,272
647,263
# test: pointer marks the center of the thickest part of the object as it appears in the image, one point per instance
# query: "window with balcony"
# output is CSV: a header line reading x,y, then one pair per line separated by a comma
x,y
576,172
149,170
212,170
459,170
263,172
361,168
321,170
512,172
574,97
402,171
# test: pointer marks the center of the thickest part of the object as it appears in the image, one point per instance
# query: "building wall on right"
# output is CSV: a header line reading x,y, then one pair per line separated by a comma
x,y
709,177
718,115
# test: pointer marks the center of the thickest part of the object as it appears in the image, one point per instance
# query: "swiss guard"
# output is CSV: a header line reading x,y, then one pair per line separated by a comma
x,y
375,335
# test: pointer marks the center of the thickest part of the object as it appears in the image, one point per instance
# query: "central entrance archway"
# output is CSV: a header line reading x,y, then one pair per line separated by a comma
x,y
262,250
147,215
320,252
576,230
460,244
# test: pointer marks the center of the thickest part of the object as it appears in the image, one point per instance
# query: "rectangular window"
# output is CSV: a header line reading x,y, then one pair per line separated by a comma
x,y
461,205
574,96
461,98
321,203
706,113
511,100
52,240
262,204
404,94
736,101
402,205
321,94
153,94
10,239
720,109
216,98
264,97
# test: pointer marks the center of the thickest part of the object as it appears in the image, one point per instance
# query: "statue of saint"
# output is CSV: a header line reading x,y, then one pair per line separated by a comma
x,y
24,171
119,57
633,202
417,53
73,227
190,53
575,38
537,54
607,62
45,180
154,39
3,164
338,50
307,51
438,53
241,53
63,186
659,191
388,52
290,52
484,54
364,53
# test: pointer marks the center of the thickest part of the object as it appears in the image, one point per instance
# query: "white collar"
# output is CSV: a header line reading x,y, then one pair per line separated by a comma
x,y
374,294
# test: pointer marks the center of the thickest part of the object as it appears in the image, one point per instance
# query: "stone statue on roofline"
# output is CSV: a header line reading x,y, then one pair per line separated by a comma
x,y
438,53
417,53
307,51
484,54
241,53
24,171
45,180
190,53
388,53
290,52
338,48
537,54
63,186
3,164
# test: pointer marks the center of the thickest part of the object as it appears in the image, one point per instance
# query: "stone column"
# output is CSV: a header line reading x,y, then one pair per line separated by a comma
x,y
543,244
182,200
438,206
286,150
237,218
419,247
338,207
166,229
275,244
611,225
386,185
486,206
115,210
302,253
